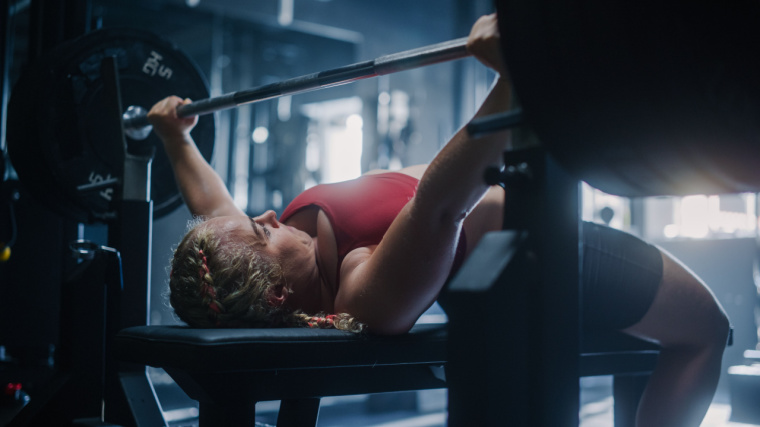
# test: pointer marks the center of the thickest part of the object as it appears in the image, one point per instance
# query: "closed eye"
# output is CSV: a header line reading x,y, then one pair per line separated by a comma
x,y
256,227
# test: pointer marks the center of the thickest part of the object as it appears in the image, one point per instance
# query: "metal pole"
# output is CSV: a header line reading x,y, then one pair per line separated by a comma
x,y
388,64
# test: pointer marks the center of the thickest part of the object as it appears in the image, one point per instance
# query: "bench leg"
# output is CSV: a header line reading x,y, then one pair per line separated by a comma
x,y
627,391
238,414
298,412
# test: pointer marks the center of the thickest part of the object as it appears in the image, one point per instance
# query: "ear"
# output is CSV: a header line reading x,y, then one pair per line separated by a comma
x,y
277,295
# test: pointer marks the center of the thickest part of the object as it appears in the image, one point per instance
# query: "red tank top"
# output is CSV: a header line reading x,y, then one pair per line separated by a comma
x,y
361,210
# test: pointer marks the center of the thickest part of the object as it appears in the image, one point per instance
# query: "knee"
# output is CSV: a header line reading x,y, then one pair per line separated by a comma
x,y
720,325
699,316
711,324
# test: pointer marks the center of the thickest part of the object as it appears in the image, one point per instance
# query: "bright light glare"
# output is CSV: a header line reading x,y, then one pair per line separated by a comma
x,y
334,139
285,14
701,216
312,156
670,231
344,153
277,199
260,135
354,121
695,216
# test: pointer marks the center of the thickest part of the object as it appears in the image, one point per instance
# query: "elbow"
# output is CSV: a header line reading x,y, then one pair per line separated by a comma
x,y
452,216
380,321
389,328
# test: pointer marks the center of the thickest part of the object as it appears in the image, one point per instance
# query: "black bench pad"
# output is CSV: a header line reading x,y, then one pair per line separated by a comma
x,y
241,350
222,366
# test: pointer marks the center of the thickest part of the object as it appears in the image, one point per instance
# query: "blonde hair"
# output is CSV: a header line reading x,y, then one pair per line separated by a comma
x,y
224,281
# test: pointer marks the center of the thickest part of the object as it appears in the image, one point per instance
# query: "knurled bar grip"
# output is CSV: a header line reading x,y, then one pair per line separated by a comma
x,y
388,64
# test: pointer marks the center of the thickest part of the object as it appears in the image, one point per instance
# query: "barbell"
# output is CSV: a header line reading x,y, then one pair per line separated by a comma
x,y
137,120
55,133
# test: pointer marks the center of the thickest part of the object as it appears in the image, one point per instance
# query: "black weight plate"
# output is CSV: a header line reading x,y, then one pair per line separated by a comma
x,y
640,98
56,137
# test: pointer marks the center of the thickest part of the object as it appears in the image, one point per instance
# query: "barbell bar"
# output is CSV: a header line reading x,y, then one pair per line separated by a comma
x,y
136,124
58,137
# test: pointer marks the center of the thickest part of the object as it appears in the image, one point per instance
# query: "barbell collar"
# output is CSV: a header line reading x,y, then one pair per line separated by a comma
x,y
142,130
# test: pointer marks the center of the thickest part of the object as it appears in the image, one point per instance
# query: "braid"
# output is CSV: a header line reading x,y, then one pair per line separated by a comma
x,y
223,281
341,321
208,292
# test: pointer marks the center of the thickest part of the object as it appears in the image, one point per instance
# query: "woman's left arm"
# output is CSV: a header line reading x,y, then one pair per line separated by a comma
x,y
390,286
201,187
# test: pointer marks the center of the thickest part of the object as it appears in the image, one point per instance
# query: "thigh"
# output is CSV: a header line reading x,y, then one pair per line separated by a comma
x,y
620,277
684,312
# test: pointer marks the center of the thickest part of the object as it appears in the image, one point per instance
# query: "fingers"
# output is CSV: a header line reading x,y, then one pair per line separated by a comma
x,y
163,117
166,107
484,42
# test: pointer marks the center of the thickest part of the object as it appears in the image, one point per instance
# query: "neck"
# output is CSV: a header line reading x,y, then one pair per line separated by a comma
x,y
309,291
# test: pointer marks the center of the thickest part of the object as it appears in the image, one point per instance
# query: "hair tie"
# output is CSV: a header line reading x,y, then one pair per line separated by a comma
x,y
208,291
317,322
214,307
205,264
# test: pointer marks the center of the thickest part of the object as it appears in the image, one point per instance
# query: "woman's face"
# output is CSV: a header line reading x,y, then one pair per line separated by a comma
x,y
292,248
269,235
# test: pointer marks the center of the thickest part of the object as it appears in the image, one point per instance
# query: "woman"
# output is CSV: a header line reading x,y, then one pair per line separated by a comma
x,y
375,252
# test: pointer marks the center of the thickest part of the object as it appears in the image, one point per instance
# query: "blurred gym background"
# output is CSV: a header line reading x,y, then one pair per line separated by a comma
x,y
269,152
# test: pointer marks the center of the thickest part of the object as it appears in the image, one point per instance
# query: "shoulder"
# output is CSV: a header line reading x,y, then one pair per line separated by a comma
x,y
354,259
354,276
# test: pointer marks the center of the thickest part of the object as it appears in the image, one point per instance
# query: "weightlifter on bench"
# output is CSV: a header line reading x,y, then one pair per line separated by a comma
x,y
372,254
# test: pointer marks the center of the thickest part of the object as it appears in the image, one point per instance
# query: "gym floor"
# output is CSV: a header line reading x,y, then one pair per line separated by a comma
x,y
420,409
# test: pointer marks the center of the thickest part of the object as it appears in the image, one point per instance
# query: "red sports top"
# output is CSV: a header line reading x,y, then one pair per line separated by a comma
x,y
361,210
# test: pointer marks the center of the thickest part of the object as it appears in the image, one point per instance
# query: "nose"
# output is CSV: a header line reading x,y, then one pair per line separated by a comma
x,y
269,218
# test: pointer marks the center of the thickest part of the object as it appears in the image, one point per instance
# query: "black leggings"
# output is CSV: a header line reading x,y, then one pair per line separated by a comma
x,y
619,278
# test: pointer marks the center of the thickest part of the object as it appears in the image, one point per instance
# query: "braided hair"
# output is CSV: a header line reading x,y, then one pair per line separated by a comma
x,y
224,281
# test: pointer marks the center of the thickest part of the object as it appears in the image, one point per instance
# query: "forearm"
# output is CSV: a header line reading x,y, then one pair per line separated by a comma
x,y
202,188
454,182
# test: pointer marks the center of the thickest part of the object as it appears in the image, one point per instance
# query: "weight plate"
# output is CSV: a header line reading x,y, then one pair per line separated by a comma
x,y
641,98
56,135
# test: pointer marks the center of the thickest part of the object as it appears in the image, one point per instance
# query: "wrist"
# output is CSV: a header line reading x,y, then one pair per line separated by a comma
x,y
176,142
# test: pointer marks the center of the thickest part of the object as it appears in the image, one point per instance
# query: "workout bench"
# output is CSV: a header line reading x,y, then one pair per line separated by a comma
x,y
228,370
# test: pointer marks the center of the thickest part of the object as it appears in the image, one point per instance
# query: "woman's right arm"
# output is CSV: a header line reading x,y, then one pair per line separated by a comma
x,y
202,188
